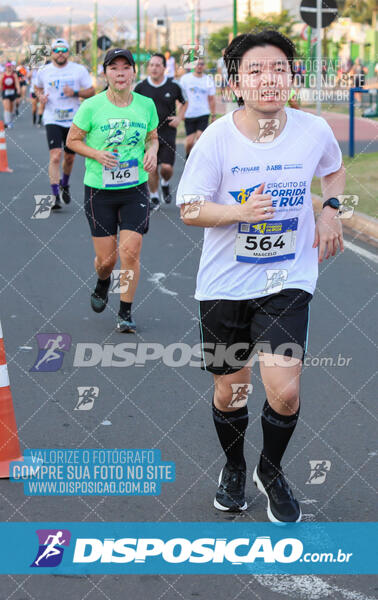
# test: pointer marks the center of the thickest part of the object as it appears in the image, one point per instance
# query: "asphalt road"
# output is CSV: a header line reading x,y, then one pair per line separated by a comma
x,y
46,278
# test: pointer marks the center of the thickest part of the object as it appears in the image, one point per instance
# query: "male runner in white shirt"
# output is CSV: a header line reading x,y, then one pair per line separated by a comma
x,y
247,182
58,87
199,89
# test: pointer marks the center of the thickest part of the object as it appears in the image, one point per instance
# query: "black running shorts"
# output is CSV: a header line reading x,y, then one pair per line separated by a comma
x,y
56,137
194,124
233,330
108,210
167,145
11,97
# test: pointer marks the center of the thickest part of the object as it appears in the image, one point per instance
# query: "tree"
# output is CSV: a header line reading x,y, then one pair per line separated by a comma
x,y
283,22
360,11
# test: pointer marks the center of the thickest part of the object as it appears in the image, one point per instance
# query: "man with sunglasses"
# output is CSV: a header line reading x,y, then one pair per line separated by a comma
x,y
59,87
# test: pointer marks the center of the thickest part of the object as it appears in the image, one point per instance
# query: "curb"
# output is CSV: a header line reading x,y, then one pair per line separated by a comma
x,y
359,223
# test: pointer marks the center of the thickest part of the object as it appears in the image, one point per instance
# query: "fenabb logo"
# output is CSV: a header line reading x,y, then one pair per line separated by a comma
x,y
181,550
237,169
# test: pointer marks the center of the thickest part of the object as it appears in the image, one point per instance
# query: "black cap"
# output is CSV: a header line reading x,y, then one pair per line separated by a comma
x,y
115,53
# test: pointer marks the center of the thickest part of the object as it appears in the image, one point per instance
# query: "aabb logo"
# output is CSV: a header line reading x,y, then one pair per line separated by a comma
x,y
50,550
274,168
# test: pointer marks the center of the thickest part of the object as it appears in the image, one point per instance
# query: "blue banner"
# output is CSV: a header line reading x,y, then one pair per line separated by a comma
x,y
188,548
92,472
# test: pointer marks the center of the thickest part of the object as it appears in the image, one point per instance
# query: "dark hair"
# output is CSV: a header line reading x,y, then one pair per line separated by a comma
x,y
244,42
160,56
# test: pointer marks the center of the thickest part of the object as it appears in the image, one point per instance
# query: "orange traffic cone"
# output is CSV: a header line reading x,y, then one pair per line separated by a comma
x,y
9,443
4,168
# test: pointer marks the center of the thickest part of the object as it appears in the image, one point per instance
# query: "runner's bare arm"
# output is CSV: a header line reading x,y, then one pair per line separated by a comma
x,y
87,93
75,141
212,107
328,229
150,155
17,82
182,110
152,140
174,121
41,96
257,208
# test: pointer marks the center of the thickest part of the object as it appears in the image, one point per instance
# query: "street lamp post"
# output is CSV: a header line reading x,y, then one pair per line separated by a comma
x,y
94,42
138,37
70,28
235,18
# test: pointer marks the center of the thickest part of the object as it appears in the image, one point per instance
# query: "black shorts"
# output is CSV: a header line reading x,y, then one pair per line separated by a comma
x,y
196,124
167,145
12,97
108,210
277,323
56,137
22,83
32,95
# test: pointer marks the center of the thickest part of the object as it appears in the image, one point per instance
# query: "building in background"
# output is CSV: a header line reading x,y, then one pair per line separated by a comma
x,y
259,8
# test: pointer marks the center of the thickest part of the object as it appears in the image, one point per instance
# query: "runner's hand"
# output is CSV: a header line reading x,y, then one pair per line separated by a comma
x,y
150,160
328,233
258,207
173,121
43,98
68,91
106,158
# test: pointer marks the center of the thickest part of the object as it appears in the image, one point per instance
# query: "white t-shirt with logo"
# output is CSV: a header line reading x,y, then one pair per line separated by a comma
x,y
33,78
61,109
197,90
240,261
171,67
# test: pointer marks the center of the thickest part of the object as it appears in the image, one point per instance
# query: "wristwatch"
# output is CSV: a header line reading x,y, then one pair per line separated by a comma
x,y
332,202
76,94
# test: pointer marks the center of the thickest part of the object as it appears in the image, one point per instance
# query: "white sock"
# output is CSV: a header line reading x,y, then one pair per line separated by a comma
x,y
7,117
163,181
154,195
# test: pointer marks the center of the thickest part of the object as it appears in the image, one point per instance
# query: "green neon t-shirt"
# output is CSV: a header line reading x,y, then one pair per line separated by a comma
x,y
121,130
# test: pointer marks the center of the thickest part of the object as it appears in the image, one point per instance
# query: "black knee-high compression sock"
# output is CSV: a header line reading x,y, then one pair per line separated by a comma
x,y
277,431
125,309
231,428
102,287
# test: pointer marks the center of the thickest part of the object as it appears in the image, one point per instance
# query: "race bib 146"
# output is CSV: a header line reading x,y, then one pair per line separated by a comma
x,y
124,174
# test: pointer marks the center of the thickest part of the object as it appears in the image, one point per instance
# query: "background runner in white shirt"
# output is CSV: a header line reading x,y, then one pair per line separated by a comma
x,y
199,89
247,182
59,86
36,105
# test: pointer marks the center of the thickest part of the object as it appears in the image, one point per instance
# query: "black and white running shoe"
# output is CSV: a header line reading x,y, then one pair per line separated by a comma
x,y
282,506
230,495
166,194
66,197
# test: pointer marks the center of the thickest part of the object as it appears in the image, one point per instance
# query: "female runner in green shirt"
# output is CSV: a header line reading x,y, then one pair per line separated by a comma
x,y
121,144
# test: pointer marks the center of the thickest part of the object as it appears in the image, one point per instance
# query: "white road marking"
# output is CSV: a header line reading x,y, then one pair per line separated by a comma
x,y
361,251
306,587
157,278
